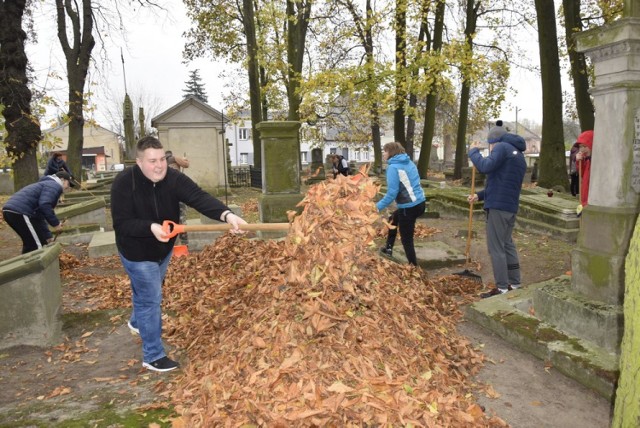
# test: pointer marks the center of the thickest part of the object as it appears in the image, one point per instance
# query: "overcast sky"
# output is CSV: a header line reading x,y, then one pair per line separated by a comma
x,y
154,65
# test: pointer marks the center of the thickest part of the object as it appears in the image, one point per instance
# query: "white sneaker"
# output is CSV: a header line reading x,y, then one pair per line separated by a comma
x,y
133,330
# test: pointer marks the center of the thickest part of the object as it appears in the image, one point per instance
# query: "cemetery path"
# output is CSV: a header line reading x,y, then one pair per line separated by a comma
x,y
97,366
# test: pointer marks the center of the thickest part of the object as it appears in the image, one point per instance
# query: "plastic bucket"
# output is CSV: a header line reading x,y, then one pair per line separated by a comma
x,y
180,250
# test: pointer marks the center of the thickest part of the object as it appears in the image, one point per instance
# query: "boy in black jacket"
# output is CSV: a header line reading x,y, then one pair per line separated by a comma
x,y
142,197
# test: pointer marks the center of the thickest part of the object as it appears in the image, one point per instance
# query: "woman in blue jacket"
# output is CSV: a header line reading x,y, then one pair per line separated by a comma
x,y
403,186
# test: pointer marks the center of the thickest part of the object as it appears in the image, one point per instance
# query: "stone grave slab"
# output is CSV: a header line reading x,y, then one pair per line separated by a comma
x,y
31,299
431,255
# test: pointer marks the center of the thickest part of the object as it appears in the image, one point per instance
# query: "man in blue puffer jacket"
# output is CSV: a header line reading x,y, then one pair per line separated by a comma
x,y
505,168
30,209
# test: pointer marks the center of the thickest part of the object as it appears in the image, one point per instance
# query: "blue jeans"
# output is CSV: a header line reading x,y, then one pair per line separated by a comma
x,y
146,293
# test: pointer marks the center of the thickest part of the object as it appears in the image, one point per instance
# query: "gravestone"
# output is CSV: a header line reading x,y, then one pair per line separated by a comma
x,y
316,168
280,170
31,298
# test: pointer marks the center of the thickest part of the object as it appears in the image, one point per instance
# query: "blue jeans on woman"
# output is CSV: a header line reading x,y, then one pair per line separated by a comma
x,y
146,292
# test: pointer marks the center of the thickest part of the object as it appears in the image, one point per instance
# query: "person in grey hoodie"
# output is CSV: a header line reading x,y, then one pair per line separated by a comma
x,y
505,168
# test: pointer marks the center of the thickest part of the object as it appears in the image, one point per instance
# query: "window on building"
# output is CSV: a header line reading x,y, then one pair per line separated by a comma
x,y
243,133
244,158
365,156
304,157
358,154
333,150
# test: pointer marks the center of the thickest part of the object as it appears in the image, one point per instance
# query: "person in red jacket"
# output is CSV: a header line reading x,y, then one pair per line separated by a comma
x,y
583,160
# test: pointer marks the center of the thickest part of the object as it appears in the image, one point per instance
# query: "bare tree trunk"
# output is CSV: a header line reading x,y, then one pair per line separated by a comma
x,y
298,13
579,72
253,72
363,31
78,54
432,98
423,34
553,170
461,135
401,68
23,129
465,91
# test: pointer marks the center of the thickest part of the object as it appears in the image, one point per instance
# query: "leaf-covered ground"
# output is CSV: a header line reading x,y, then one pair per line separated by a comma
x,y
317,330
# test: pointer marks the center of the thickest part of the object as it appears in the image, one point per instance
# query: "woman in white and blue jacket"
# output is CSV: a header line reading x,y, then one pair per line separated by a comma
x,y
403,186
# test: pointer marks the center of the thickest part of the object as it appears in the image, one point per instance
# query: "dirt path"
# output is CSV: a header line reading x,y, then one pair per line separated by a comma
x,y
97,367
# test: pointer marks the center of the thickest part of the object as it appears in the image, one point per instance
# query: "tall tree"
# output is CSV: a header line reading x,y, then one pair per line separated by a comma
x,y
364,27
297,22
400,26
76,21
465,92
432,96
253,72
553,170
226,29
195,87
23,129
423,39
579,71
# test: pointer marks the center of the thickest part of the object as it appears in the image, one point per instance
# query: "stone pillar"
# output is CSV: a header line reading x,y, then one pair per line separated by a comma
x,y
31,299
280,170
609,218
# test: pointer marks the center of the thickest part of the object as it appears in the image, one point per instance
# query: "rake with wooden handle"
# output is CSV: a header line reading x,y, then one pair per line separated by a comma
x,y
172,228
467,252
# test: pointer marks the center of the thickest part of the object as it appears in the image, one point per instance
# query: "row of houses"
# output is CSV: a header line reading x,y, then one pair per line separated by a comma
x,y
196,130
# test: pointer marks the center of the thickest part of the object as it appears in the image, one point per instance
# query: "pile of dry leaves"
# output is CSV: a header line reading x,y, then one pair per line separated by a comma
x,y
317,330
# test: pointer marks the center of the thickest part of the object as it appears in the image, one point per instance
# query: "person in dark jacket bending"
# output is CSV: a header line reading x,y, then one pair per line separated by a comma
x,y
30,209
55,164
142,197
505,168
339,165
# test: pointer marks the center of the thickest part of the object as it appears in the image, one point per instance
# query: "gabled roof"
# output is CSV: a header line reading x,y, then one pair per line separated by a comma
x,y
188,101
87,124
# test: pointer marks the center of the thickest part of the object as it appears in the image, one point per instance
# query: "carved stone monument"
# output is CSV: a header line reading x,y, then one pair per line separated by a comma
x,y
280,170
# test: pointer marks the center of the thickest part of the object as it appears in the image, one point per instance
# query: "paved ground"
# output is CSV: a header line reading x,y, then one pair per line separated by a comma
x,y
531,395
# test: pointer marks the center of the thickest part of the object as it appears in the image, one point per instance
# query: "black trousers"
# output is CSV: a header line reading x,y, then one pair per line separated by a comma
x,y
405,219
30,230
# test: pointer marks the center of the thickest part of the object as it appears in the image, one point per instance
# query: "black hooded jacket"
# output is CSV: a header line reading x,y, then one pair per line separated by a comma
x,y
137,202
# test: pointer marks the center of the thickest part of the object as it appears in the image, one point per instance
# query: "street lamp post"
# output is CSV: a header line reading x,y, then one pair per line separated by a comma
x,y
224,158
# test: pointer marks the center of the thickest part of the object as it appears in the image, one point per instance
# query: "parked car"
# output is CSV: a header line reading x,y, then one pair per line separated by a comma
x,y
117,167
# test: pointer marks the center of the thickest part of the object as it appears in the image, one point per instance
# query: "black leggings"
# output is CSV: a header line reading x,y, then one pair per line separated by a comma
x,y
405,219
